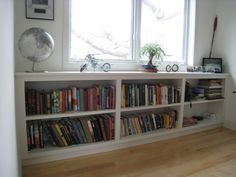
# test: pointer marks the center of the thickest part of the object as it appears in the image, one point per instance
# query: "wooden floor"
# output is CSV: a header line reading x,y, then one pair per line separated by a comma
x,y
207,154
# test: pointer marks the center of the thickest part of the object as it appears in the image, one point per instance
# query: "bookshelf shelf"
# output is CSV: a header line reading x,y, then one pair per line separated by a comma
x,y
128,86
70,114
204,101
154,133
150,107
205,123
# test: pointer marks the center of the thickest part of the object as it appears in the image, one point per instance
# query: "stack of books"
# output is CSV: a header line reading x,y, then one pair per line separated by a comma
x,y
212,88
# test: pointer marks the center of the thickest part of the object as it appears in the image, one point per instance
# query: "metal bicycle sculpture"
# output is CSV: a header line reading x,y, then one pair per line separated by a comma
x,y
94,63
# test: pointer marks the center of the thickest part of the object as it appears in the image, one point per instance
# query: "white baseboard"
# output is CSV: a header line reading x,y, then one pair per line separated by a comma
x,y
230,125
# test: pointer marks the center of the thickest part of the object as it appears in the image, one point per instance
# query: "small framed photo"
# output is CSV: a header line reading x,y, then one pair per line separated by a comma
x,y
213,65
39,9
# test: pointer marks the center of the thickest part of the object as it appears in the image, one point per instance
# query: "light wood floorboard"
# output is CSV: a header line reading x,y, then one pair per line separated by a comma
x,y
210,153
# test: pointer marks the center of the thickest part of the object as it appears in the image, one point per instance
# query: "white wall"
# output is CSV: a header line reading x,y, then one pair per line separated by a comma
x,y
226,39
226,48
8,150
55,28
205,14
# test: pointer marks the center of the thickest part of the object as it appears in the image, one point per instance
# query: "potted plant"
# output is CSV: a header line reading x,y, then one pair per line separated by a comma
x,y
152,51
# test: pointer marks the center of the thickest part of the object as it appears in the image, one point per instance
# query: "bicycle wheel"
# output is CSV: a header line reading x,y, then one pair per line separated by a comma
x,y
106,67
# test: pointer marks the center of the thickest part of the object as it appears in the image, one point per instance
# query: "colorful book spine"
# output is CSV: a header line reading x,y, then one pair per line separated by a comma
x,y
74,98
78,99
69,94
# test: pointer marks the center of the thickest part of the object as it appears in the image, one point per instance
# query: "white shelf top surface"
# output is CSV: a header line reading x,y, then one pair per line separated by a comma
x,y
123,75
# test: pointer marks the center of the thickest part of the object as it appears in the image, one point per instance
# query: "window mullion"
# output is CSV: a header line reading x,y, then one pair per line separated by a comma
x,y
136,28
191,32
185,31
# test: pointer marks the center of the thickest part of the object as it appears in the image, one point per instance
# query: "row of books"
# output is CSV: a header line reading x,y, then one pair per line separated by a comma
x,y
149,94
69,131
69,99
137,124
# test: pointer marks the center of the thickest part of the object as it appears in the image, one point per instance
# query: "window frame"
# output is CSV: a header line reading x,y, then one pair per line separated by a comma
x,y
134,63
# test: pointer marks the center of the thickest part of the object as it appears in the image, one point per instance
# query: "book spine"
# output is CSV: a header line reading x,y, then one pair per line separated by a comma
x,y
47,103
111,128
90,104
62,137
95,98
63,101
86,99
90,126
95,129
28,131
146,95
56,134
66,100
68,124
102,128
60,101
137,99
78,99
69,94
41,134
65,131
74,98
37,102
126,126
86,129
123,98
81,130
82,99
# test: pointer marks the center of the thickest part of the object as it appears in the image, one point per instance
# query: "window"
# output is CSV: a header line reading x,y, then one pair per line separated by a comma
x,y
115,30
164,23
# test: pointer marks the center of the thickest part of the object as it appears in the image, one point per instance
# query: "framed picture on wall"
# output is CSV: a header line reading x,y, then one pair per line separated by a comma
x,y
39,9
213,65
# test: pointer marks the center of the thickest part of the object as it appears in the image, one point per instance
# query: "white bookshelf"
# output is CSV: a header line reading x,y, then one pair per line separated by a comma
x,y
64,79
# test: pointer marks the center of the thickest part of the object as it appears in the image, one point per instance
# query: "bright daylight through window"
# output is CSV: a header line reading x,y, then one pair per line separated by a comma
x,y
115,30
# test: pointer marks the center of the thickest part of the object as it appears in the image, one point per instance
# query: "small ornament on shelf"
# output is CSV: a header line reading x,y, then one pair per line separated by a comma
x,y
96,64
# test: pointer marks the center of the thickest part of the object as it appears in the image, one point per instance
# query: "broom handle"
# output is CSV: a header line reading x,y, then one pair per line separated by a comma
x,y
213,36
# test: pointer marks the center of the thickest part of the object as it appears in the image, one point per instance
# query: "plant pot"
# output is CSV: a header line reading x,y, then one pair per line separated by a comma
x,y
149,68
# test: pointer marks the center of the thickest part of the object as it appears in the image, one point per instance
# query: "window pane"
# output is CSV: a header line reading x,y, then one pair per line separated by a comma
x,y
100,27
162,21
